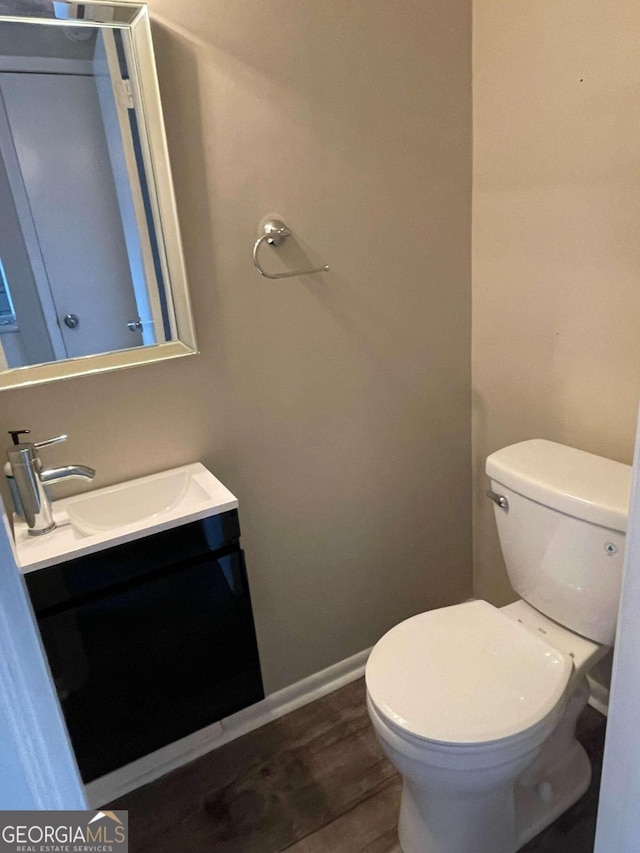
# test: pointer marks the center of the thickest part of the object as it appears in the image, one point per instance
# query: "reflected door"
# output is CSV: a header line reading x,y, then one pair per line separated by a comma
x,y
57,133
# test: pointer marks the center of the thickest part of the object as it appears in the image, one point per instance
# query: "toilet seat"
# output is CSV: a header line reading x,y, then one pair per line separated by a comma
x,y
464,675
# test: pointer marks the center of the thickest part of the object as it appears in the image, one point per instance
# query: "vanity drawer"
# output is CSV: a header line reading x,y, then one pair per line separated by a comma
x,y
142,666
84,577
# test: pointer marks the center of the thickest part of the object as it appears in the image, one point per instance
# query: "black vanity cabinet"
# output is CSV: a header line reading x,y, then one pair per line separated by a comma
x,y
149,641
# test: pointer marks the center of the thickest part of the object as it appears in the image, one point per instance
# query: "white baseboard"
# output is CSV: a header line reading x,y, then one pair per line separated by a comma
x,y
599,696
145,770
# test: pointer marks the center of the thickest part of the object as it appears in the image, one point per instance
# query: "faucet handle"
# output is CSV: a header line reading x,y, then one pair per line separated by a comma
x,y
16,433
57,440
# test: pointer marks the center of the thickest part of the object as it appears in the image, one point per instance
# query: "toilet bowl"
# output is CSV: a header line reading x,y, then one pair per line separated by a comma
x,y
476,706
464,701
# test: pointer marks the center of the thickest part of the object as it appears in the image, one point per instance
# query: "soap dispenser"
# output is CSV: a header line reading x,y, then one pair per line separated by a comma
x,y
8,473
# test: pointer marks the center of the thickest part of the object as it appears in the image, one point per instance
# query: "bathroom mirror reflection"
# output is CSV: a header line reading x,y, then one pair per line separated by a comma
x,y
91,268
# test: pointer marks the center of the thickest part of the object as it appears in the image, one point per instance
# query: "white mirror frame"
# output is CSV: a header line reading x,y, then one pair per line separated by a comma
x,y
148,105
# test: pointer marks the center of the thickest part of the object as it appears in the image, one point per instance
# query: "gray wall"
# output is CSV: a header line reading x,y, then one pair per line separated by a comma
x,y
556,256
336,408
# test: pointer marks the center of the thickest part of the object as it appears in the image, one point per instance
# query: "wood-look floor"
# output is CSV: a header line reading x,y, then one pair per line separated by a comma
x,y
315,781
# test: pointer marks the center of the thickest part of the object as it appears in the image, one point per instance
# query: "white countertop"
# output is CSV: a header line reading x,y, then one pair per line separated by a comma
x,y
64,543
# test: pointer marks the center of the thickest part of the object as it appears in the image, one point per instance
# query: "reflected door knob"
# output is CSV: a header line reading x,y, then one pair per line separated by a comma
x,y
71,321
135,325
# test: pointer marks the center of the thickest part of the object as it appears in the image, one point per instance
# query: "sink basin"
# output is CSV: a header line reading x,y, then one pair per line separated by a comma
x,y
107,517
133,502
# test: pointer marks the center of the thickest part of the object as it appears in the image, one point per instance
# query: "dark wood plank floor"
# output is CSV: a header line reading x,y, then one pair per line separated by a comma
x,y
315,781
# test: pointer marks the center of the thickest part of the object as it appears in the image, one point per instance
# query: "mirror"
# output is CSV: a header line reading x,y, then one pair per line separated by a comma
x,y
91,269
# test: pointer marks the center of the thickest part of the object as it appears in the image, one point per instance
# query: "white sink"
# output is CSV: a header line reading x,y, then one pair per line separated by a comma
x,y
130,503
107,517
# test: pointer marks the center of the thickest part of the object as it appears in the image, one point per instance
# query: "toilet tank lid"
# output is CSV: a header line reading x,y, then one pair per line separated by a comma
x,y
579,484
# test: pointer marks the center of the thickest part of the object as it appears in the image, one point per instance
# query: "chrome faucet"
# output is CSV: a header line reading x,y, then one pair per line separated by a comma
x,y
30,478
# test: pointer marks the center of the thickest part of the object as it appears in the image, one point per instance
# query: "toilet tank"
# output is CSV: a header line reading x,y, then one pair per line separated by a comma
x,y
563,533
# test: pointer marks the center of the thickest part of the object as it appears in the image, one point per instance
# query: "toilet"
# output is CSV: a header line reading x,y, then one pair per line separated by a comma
x,y
476,706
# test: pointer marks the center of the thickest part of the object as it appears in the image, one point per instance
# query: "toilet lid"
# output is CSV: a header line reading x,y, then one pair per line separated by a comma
x,y
465,674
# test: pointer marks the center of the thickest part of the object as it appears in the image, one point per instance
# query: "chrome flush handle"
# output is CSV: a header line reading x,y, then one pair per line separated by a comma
x,y
501,500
